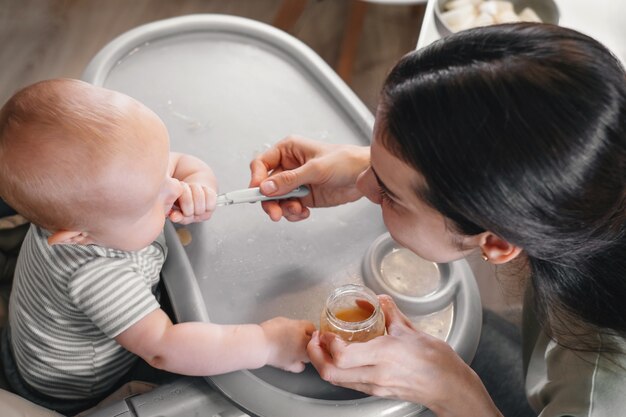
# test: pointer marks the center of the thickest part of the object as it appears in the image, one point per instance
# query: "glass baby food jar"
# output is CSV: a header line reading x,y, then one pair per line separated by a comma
x,y
353,313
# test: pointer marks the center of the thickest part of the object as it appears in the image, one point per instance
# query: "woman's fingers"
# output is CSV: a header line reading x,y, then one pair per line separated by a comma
x,y
319,356
369,388
340,367
330,171
285,181
272,208
352,355
286,162
293,210
262,165
395,320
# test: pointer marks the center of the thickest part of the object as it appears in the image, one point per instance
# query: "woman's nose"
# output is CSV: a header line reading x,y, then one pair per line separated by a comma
x,y
366,183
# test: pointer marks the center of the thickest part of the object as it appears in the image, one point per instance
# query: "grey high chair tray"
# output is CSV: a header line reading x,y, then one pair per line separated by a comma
x,y
227,88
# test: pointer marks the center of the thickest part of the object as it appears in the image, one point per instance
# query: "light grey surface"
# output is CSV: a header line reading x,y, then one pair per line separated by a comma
x,y
226,88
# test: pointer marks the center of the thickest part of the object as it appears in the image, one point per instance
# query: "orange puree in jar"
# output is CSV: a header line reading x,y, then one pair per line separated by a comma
x,y
352,312
357,313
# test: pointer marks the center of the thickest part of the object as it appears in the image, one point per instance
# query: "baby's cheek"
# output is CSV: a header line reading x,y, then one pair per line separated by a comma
x,y
157,227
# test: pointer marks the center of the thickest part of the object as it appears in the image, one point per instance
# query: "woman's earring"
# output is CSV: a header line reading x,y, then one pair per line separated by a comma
x,y
485,257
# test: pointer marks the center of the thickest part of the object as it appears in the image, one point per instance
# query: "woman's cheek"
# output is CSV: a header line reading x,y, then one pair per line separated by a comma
x,y
392,222
405,232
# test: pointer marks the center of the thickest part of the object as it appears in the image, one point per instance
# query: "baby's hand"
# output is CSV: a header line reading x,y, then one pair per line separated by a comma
x,y
195,204
288,340
197,200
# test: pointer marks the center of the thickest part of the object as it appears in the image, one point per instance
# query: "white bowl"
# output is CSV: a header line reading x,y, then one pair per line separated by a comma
x,y
546,10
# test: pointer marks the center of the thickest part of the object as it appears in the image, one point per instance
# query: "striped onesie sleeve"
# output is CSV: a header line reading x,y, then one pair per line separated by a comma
x,y
67,305
112,294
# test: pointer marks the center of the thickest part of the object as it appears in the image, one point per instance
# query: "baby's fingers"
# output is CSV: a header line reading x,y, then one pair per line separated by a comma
x,y
210,197
295,367
195,204
185,201
198,198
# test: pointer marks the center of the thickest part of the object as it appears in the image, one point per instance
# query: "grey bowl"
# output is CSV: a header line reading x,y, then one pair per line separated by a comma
x,y
448,285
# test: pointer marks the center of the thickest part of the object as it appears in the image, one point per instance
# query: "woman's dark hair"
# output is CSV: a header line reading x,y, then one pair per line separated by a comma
x,y
521,130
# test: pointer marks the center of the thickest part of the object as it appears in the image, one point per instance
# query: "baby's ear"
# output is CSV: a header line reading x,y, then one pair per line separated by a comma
x,y
67,237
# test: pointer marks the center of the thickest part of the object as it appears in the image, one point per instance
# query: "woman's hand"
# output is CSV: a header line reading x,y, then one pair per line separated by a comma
x,y
329,170
405,364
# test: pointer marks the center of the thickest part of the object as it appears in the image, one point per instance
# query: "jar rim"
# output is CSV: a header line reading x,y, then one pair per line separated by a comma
x,y
358,292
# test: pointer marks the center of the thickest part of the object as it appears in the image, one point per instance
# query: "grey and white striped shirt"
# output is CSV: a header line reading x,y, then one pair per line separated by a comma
x,y
68,303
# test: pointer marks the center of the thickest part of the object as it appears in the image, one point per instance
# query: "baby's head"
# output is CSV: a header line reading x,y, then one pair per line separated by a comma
x,y
86,163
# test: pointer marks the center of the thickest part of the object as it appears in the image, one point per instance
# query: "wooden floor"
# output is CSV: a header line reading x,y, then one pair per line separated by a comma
x,y
43,39
56,38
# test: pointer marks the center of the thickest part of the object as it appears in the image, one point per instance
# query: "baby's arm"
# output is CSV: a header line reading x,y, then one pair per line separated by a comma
x,y
197,201
203,349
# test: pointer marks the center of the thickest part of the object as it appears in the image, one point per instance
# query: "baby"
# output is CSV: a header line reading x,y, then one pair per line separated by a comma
x,y
91,169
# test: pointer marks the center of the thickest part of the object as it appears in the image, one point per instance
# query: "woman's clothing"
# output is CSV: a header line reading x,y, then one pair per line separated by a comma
x,y
563,382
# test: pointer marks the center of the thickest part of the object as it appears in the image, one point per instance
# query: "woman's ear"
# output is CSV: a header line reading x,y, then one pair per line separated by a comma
x,y
68,237
497,250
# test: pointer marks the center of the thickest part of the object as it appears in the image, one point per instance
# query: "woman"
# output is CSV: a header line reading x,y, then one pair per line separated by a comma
x,y
510,140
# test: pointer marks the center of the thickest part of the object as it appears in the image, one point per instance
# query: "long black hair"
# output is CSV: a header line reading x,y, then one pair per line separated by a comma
x,y
521,130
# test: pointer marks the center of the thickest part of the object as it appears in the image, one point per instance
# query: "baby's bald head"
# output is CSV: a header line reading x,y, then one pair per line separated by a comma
x,y
65,147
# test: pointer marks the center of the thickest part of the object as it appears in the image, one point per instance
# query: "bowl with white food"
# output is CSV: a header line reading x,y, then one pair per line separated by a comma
x,y
455,15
